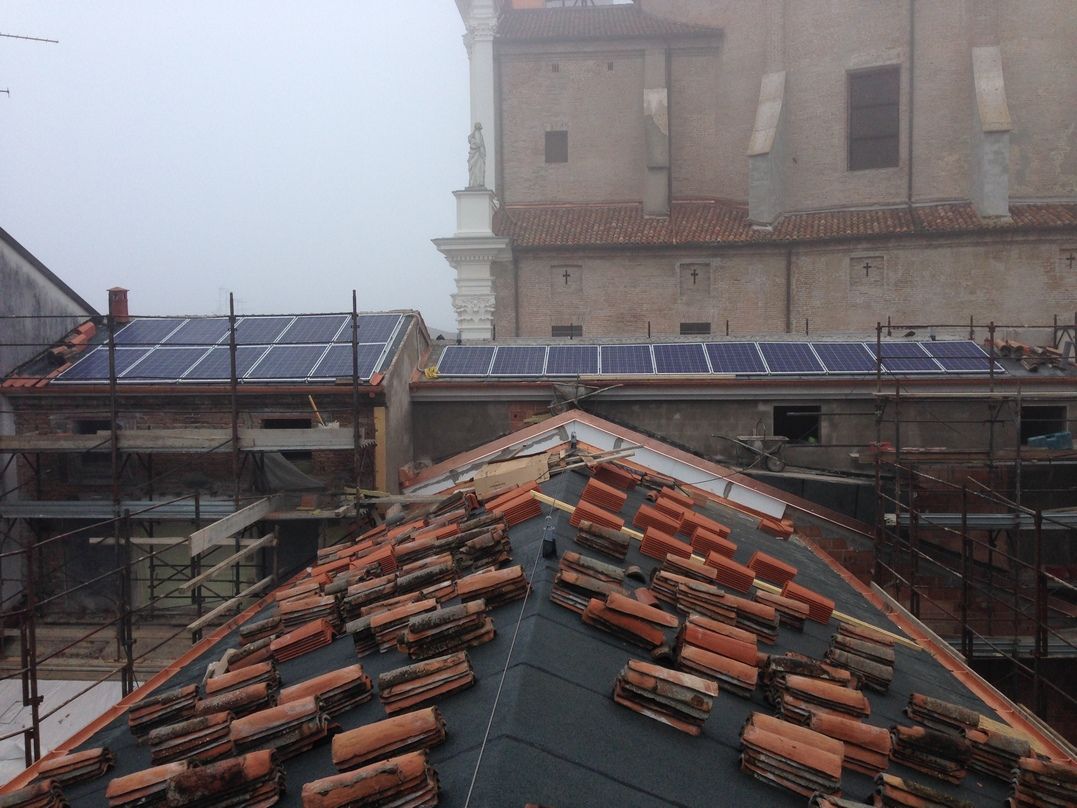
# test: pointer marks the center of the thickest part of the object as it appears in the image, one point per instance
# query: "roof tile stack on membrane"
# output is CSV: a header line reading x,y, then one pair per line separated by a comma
x,y
577,679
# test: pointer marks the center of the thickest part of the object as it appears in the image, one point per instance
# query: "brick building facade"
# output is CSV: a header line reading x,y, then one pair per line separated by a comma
x,y
685,163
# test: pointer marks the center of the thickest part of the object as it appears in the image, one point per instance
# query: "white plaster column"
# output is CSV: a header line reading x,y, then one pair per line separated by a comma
x,y
472,251
480,17
989,183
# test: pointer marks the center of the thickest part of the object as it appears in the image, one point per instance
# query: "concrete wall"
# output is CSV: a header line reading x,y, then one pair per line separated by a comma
x,y
714,91
923,280
400,449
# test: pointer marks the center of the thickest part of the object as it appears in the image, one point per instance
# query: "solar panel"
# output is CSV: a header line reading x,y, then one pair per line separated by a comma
x,y
628,359
790,357
164,364
519,360
201,331
687,357
147,331
960,356
216,366
735,357
466,360
845,357
260,330
315,328
337,362
287,362
905,357
572,360
372,328
94,366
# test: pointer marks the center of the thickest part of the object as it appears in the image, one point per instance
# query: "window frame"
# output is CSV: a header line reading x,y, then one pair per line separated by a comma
x,y
572,331
550,146
1056,414
805,438
850,77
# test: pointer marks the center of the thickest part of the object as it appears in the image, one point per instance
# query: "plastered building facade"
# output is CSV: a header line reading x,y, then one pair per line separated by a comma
x,y
688,166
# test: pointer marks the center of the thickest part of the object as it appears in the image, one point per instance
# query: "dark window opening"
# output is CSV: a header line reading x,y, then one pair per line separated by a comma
x,y
566,331
609,65
304,456
799,422
555,67
91,426
557,147
101,458
1043,420
874,122
688,329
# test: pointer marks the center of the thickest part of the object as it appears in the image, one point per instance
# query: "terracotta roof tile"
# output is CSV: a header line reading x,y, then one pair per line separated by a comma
x,y
714,221
598,22
410,732
604,540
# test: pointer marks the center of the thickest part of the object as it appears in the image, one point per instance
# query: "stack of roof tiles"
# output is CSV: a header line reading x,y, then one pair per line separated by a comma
x,y
587,512
260,629
867,748
603,539
412,685
290,728
650,517
604,496
202,739
496,587
897,792
996,753
719,651
776,668
705,542
631,620
692,523
336,691
166,707
485,549
580,578
758,618
791,613
668,492
681,700
782,528
695,597
363,593
819,607
658,544
671,507
941,715
381,630
241,701
770,568
303,589
446,630
830,801
730,573
1043,782
144,789
407,781
259,673
410,732
425,572
75,767
939,754
41,794
310,637
791,757
796,697
866,653
612,474
251,654
516,508
254,780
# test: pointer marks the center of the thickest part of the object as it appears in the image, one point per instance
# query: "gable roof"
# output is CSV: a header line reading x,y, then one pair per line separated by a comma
x,y
540,726
716,222
592,22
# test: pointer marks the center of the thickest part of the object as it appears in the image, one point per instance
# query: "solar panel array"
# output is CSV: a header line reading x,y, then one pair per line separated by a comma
x,y
268,349
787,358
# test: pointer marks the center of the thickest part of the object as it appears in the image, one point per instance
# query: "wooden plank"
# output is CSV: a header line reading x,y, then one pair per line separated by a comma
x,y
266,541
185,440
230,525
165,541
208,617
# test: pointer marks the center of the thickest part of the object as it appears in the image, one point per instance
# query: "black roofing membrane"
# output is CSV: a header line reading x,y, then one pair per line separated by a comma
x,y
557,738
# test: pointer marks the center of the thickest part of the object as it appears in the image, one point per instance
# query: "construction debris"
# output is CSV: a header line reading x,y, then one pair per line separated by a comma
x,y
681,700
410,732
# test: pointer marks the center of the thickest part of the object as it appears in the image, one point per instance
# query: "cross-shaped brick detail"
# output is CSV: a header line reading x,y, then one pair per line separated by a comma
x,y
566,276
867,268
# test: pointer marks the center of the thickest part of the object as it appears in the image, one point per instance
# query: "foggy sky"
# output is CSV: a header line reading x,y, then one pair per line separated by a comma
x,y
285,151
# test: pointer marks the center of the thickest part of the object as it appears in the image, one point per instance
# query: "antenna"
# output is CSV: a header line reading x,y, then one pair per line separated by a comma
x,y
7,91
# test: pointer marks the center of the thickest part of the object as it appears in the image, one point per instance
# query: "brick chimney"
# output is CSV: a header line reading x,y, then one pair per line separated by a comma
x,y
117,305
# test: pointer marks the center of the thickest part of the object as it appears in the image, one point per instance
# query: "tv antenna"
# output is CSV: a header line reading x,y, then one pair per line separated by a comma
x,y
6,91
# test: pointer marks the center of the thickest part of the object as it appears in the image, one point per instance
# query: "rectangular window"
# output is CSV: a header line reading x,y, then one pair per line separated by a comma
x,y
566,331
1043,420
688,329
799,422
874,122
101,458
557,146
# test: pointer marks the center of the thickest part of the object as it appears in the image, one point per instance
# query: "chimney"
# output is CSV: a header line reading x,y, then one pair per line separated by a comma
x,y
117,305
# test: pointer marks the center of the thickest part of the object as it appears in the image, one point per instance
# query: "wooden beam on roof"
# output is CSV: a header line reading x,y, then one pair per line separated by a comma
x,y
209,616
229,525
268,540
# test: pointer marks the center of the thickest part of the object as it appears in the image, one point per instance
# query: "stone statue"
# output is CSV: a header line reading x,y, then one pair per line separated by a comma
x,y
476,158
